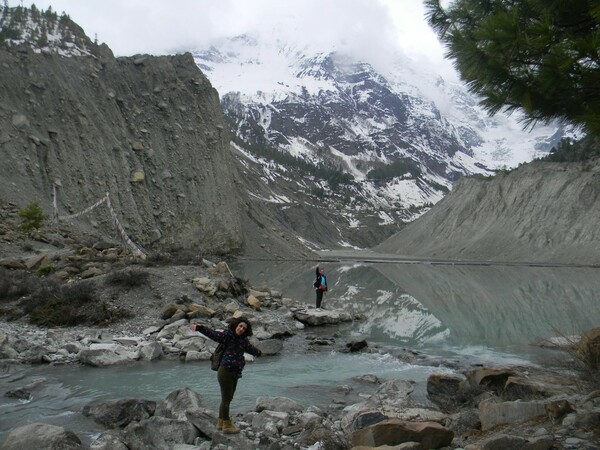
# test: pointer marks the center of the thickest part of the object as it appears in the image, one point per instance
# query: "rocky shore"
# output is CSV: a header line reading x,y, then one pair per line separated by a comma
x,y
481,408
142,312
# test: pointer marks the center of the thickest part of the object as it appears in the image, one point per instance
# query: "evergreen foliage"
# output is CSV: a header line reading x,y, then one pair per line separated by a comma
x,y
541,57
569,150
333,175
396,169
33,217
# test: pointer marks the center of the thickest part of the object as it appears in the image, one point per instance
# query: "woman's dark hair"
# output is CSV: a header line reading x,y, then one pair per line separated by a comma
x,y
234,322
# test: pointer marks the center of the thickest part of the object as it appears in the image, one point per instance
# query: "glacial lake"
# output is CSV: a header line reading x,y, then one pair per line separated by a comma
x,y
490,314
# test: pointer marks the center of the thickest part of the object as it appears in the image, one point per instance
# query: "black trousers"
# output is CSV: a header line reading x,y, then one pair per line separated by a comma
x,y
228,383
319,297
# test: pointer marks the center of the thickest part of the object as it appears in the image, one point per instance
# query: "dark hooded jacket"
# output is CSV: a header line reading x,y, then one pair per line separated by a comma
x,y
235,347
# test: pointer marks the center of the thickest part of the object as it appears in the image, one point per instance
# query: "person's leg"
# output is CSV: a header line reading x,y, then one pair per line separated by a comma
x,y
319,297
228,385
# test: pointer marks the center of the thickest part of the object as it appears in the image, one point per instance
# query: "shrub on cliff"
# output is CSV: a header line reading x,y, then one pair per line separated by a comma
x,y
69,305
32,216
132,277
16,283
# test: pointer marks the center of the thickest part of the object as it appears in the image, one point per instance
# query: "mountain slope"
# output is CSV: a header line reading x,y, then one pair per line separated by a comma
x,y
404,135
542,212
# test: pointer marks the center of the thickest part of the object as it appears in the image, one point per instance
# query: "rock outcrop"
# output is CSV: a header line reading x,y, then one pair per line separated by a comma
x,y
541,213
148,130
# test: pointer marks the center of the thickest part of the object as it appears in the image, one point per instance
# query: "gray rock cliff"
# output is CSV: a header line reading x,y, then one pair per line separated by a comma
x,y
542,212
148,130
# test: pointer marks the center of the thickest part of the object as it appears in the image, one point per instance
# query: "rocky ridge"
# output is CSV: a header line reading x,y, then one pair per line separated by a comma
x,y
542,212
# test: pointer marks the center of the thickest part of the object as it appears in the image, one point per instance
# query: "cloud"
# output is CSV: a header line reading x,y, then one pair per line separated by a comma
x,y
370,29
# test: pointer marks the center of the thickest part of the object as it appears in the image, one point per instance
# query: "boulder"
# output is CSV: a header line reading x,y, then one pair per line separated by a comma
x,y
204,420
159,433
281,404
271,422
149,351
119,413
396,432
178,403
589,348
494,412
103,357
442,385
270,346
253,302
41,436
108,441
314,317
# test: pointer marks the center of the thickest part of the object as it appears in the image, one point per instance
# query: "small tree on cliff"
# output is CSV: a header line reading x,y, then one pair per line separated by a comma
x,y
33,217
541,57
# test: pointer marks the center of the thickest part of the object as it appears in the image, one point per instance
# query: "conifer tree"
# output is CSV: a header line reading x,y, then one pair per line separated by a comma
x,y
43,39
541,57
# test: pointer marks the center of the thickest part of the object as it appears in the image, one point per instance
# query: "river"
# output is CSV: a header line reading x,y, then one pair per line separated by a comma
x,y
481,314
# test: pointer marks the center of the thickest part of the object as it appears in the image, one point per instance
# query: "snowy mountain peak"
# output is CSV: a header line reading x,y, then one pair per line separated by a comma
x,y
404,134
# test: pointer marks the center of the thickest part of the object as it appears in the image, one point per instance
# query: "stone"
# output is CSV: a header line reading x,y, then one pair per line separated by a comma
x,y
444,385
395,432
493,412
178,403
282,404
41,436
253,302
119,413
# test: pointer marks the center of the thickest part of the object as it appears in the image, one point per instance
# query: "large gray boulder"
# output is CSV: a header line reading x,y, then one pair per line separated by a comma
x,y
119,413
281,404
494,412
159,433
178,403
41,436
394,432
315,317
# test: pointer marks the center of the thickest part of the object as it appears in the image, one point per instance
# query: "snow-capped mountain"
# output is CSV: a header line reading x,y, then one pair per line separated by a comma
x,y
402,133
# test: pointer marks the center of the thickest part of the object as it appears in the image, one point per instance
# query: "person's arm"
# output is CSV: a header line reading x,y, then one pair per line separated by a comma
x,y
217,336
249,348
317,270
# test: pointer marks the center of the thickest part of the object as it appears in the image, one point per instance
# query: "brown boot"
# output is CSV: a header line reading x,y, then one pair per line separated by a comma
x,y
229,427
220,424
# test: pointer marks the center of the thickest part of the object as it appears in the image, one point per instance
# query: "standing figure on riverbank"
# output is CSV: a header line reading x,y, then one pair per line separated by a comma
x,y
235,340
320,284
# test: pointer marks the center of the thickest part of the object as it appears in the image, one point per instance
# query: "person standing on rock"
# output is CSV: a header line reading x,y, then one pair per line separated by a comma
x,y
235,339
320,284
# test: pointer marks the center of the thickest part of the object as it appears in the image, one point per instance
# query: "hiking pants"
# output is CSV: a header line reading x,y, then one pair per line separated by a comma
x,y
319,297
228,383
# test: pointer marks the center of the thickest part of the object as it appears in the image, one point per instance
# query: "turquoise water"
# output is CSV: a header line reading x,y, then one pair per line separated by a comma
x,y
484,315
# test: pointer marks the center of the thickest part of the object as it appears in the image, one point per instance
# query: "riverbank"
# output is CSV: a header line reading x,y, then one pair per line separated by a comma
x,y
474,408
141,311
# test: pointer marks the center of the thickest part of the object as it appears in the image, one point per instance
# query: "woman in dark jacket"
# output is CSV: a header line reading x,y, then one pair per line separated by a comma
x,y
235,339
320,284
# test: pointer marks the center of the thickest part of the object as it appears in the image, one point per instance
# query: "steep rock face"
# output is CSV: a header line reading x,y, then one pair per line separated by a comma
x,y
147,130
542,212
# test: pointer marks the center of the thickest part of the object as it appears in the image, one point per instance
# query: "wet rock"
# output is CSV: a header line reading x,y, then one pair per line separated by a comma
x,y
495,412
41,436
178,403
281,404
159,432
395,432
270,346
119,413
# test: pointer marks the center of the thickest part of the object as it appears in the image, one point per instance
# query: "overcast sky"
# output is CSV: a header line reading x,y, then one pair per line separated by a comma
x,y
370,28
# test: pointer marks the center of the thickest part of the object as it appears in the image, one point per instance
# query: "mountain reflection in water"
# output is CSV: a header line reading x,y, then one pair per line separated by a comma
x,y
431,305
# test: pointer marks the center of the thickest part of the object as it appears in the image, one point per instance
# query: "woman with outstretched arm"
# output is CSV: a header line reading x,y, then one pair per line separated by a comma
x,y
235,339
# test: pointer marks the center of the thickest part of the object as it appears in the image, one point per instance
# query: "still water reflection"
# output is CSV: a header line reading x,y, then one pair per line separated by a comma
x,y
437,306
